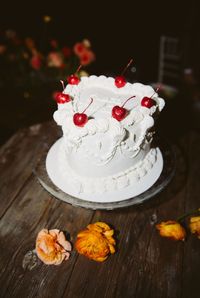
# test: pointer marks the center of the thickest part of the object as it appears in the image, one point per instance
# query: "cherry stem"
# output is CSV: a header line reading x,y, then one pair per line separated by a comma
x,y
62,84
78,68
127,66
127,100
158,88
91,101
187,214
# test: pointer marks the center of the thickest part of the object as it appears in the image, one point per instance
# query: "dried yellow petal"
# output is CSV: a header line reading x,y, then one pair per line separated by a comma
x,y
195,225
171,229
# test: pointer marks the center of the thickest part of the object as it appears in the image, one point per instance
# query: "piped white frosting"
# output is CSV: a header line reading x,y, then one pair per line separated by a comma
x,y
105,147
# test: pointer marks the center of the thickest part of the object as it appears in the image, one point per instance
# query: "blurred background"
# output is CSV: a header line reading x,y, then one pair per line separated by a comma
x,y
43,42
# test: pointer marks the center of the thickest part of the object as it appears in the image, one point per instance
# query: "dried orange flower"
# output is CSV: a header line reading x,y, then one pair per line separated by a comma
x,y
171,229
96,242
195,225
52,247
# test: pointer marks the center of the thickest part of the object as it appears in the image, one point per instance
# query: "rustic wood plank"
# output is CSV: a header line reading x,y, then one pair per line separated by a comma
x,y
145,264
32,210
17,157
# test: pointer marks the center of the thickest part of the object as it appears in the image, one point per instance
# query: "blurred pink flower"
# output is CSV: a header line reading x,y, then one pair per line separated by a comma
x,y
55,59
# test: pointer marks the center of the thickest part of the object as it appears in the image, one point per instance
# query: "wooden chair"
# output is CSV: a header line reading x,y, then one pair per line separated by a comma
x,y
169,61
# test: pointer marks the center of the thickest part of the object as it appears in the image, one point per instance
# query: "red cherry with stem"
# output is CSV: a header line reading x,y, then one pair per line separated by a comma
x,y
80,119
62,97
74,79
119,113
120,81
148,102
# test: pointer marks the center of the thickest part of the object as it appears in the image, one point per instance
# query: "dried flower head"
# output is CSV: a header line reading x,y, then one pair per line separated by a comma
x,y
171,229
51,246
195,225
96,242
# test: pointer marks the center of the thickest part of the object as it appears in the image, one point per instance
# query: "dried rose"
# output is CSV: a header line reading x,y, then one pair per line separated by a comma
x,y
51,247
171,229
195,225
96,242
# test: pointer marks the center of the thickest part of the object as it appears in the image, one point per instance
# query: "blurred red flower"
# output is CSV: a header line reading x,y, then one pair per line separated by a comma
x,y
36,62
30,59
79,48
87,57
83,51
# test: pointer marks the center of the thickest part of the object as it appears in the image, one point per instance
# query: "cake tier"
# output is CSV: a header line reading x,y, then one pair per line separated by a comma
x,y
111,189
95,185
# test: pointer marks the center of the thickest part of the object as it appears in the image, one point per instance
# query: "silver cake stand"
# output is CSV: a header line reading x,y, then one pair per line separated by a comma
x,y
169,157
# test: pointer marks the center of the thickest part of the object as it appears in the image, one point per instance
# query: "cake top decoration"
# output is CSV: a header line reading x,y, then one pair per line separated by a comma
x,y
74,79
120,80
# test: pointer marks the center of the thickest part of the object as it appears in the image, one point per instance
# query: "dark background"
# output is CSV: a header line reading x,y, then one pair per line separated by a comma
x,y
118,31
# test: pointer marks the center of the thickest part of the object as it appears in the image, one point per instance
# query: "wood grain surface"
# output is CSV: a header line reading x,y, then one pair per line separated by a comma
x,y
145,265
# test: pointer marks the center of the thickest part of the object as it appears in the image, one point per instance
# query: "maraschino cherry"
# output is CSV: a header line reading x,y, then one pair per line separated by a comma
x,y
119,113
120,81
148,102
62,97
74,79
80,119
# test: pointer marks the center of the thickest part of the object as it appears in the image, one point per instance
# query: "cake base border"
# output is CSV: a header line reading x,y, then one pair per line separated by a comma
x,y
166,176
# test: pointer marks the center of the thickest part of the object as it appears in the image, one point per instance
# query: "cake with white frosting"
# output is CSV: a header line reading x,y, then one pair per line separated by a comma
x,y
106,154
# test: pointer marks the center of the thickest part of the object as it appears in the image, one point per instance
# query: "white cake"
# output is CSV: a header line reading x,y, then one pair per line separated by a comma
x,y
106,159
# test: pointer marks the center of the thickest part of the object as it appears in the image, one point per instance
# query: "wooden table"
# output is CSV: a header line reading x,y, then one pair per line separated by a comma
x,y
145,264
